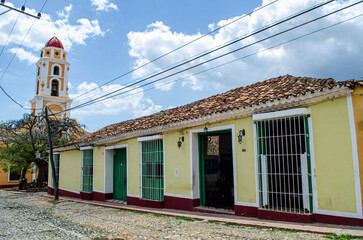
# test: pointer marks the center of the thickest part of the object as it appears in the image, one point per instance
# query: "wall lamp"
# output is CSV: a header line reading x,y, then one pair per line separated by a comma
x,y
241,133
205,129
180,141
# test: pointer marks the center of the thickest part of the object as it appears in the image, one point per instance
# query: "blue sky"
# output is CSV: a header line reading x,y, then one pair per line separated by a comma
x,y
106,38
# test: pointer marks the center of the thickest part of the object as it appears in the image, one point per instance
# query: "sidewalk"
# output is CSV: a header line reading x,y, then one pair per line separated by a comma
x,y
319,228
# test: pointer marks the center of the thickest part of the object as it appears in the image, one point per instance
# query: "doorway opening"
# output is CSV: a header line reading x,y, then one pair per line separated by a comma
x,y
216,170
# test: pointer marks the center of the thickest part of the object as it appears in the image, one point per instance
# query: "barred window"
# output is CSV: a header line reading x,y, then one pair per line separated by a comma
x,y
87,171
284,164
152,170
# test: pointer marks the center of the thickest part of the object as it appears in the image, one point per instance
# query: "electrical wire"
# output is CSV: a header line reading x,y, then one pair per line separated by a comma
x,y
224,64
11,31
229,43
220,56
5,12
7,67
176,49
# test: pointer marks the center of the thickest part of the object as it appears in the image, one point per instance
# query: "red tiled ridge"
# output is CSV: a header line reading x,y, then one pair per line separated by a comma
x,y
242,97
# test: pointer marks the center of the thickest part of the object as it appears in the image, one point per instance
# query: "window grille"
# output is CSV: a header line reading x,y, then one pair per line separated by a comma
x,y
87,171
56,166
152,170
284,165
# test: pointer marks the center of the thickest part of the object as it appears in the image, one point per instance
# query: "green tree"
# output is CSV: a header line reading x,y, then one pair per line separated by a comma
x,y
20,140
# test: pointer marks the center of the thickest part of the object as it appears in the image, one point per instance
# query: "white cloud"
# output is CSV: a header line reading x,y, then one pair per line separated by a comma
x,y
134,102
103,5
24,55
335,52
45,28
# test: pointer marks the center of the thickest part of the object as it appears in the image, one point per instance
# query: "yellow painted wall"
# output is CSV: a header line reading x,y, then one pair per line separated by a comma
x,y
357,99
98,169
4,177
333,156
70,172
177,158
245,162
133,167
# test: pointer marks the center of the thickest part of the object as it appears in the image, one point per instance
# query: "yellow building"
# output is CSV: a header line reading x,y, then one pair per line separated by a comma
x,y
286,149
51,87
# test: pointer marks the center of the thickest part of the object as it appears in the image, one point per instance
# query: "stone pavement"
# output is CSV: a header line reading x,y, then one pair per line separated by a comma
x,y
319,228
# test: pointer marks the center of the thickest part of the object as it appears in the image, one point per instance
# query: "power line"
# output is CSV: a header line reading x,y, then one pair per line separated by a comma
x,y
229,62
11,31
215,58
7,67
5,12
229,43
176,49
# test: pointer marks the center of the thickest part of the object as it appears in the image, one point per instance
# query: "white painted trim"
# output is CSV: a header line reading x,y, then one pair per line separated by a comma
x,y
353,135
66,190
338,214
177,195
54,153
35,171
280,114
86,148
149,138
99,191
164,176
116,146
195,152
247,204
256,164
107,153
312,162
133,195
140,169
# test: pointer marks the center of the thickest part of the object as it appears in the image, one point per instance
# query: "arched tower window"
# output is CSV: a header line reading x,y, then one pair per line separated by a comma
x,y
56,70
54,90
38,71
37,87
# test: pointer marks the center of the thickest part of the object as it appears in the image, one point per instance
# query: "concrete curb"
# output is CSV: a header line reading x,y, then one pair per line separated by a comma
x,y
318,228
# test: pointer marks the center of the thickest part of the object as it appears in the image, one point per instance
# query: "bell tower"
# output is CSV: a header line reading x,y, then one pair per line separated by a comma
x,y
51,85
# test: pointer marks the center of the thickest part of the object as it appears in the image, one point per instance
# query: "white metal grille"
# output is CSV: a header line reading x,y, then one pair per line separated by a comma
x,y
283,164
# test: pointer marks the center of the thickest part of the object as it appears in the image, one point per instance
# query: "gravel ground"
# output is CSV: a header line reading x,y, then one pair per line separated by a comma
x,y
30,216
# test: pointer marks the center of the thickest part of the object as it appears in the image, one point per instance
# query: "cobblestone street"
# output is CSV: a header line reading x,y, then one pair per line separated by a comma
x,y
31,216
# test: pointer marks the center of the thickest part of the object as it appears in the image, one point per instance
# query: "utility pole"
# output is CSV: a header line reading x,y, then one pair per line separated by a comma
x,y
54,175
22,10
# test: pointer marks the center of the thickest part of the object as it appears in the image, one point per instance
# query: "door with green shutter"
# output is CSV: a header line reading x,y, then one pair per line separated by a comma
x,y
119,175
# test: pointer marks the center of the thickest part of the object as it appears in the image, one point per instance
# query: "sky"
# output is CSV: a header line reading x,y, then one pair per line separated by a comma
x,y
107,38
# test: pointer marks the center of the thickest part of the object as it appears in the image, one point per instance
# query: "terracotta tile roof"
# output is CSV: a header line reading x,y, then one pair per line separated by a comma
x,y
242,97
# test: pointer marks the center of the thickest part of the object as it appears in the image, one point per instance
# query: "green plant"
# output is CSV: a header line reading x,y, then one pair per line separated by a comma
x,y
341,236
189,219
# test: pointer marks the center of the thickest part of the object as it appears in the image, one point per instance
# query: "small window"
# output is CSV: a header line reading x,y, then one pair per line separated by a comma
x,y
38,71
41,54
56,70
48,52
13,175
37,87
54,90
56,53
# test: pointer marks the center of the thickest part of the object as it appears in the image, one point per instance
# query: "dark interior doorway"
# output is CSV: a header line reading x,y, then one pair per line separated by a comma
x,y
216,170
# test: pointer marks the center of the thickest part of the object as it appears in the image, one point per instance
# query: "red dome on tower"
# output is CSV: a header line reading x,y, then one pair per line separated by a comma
x,y
54,42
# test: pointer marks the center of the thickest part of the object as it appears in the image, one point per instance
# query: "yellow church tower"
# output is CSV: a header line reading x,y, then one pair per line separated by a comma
x,y
51,87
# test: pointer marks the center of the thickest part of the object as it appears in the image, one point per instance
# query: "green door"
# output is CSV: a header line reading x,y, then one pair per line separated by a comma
x,y
119,175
